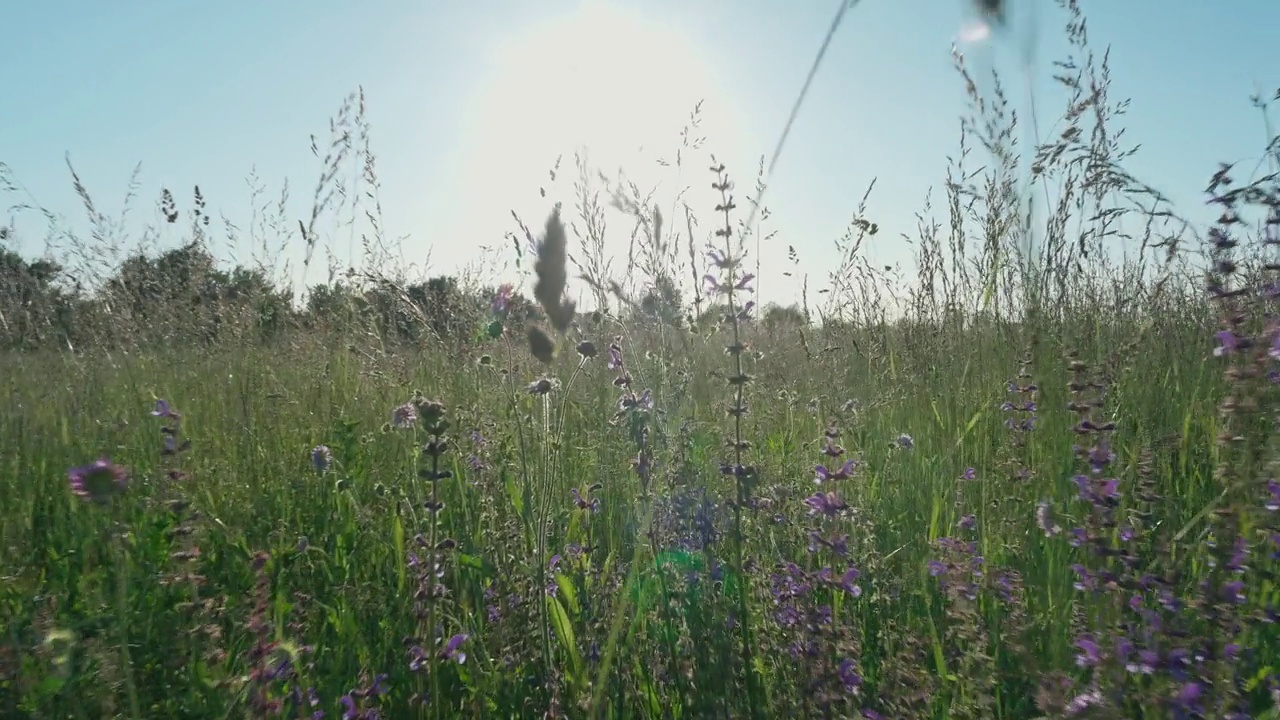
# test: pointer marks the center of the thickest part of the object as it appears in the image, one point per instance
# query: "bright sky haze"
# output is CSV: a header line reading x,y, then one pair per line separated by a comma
x,y
471,104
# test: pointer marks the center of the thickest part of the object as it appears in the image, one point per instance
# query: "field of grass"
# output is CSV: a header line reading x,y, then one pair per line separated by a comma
x,y
1035,491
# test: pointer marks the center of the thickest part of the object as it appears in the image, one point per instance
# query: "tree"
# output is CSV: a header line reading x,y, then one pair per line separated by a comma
x,y
34,311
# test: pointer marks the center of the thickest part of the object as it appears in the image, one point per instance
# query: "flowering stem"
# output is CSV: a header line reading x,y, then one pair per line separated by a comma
x,y
431,607
540,523
532,524
736,349
121,557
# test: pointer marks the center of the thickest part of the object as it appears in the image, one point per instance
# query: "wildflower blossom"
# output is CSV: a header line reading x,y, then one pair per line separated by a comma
x,y
453,651
404,416
321,458
843,472
98,481
502,299
543,386
828,504
164,410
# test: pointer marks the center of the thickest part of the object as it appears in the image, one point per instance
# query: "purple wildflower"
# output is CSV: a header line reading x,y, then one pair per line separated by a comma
x,y
98,481
1090,654
848,582
844,472
1228,343
321,458
825,504
404,416
502,299
164,410
453,649
592,505
849,676
743,283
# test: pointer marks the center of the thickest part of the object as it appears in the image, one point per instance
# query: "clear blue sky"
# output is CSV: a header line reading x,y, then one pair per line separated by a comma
x,y
471,102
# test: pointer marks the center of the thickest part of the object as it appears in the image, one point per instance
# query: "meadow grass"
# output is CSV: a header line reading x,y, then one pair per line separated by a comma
x,y
1028,495
337,543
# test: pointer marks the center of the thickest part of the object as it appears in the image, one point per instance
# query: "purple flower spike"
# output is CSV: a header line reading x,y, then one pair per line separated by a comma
x,y
592,506
825,504
98,481
849,676
906,442
848,582
1228,343
1089,654
825,474
453,649
163,410
1273,495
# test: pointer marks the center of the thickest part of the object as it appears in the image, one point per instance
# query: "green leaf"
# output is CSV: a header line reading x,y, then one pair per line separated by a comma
x,y
397,539
514,493
568,592
969,426
50,685
564,632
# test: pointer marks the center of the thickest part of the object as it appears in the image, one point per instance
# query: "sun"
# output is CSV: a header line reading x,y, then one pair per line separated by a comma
x,y
604,79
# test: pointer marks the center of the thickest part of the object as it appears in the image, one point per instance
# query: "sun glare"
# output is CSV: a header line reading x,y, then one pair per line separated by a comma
x,y
604,79
975,31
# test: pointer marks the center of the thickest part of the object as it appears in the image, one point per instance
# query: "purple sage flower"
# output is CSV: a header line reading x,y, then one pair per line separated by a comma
x,y
849,676
825,474
453,649
1228,343
163,410
825,504
1090,654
